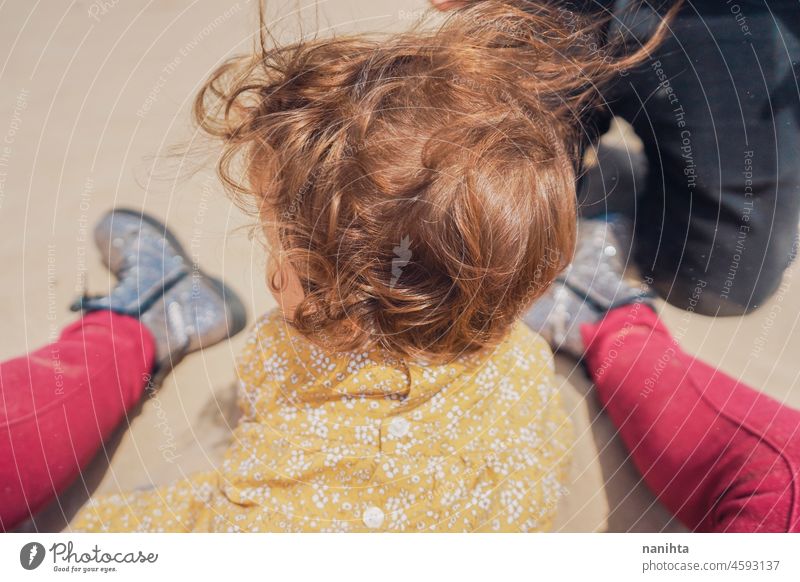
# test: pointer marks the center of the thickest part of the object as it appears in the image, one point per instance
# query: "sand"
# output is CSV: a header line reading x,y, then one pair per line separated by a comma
x,y
93,96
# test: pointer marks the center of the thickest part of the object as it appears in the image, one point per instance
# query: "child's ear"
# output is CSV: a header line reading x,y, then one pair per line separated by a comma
x,y
284,284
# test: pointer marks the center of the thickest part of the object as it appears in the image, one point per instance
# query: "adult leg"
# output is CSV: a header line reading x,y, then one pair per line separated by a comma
x,y
720,455
60,403
718,110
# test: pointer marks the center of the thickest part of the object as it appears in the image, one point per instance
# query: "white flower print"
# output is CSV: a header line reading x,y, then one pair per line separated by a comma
x,y
276,367
297,463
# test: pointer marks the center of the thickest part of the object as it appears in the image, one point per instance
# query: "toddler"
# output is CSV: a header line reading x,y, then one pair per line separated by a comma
x,y
418,194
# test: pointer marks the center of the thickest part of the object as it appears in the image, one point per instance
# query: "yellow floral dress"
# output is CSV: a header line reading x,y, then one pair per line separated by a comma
x,y
364,442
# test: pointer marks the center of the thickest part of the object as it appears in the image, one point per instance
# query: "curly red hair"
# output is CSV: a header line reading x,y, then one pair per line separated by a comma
x,y
422,185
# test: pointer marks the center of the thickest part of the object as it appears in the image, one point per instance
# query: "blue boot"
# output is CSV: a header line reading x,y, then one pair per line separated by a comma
x,y
181,306
592,285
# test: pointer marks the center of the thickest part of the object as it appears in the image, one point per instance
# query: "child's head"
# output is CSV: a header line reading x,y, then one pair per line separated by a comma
x,y
420,189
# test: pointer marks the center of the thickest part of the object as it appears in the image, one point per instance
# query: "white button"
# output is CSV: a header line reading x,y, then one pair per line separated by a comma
x,y
373,517
398,427
610,251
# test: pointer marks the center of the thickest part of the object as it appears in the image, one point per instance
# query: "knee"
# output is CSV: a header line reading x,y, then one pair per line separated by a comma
x,y
739,281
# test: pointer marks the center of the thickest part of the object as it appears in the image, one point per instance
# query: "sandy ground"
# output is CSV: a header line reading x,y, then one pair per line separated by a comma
x,y
93,96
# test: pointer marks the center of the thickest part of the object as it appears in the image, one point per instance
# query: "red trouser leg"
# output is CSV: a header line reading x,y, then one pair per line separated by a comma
x,y
59,404
720,455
